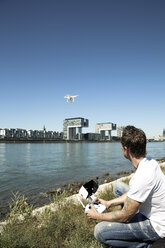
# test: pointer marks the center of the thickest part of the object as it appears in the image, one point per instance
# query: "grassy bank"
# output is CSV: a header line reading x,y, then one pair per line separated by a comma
x,y
67,227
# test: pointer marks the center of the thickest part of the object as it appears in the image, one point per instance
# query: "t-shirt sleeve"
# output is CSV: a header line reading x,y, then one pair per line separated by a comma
x,y
140,188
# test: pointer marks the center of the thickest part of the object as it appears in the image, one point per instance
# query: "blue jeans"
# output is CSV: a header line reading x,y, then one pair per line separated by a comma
x,y
137,233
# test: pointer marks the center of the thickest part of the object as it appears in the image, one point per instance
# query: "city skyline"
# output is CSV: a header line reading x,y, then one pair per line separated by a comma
x,y
114,132
109,53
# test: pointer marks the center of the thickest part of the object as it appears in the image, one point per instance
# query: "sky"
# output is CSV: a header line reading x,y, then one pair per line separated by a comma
x,y
111,53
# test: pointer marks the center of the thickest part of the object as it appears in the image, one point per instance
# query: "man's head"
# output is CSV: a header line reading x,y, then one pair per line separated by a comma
x,y
134,140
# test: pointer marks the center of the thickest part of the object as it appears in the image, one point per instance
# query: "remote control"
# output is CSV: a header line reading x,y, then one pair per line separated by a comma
x,y
99,207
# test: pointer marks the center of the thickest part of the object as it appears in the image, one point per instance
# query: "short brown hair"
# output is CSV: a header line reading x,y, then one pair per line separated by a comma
x,y
135,140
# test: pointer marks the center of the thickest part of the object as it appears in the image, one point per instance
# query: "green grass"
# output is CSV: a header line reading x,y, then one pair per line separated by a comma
x,y
68,227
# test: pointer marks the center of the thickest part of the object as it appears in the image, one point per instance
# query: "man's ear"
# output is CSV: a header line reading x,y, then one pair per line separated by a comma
x,y
125,148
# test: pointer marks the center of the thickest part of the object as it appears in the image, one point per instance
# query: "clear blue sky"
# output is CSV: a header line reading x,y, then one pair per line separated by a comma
x,y
109,52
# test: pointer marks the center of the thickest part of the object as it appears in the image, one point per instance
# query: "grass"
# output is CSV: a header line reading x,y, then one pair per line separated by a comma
x,y
163,169
65,228
68,227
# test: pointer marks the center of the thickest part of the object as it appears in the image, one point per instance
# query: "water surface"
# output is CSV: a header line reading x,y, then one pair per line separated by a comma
x,y
34,168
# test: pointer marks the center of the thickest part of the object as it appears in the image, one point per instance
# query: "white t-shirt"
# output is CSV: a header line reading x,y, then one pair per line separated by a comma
x,y
147,186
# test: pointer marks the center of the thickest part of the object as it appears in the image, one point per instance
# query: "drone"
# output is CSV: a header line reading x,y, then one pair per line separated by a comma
x,y
70,98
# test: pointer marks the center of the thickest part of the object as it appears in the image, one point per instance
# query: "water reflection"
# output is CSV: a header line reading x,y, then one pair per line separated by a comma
x,y
2,154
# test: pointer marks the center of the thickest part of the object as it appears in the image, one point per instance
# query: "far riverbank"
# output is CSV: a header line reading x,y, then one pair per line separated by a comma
x,y
40,140
28,140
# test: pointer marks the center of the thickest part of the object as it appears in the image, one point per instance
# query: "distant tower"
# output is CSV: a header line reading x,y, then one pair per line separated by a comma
x,y
164,132
44,128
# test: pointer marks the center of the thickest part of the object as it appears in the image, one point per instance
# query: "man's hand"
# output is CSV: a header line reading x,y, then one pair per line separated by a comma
x,y
92,213
107,204
114,202
124,215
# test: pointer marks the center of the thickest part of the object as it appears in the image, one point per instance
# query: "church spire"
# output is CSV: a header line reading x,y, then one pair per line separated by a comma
x,y
44,128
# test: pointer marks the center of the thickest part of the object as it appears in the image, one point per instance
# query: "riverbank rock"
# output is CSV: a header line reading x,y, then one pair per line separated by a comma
x,y
161,160
106,174
123,173
107,180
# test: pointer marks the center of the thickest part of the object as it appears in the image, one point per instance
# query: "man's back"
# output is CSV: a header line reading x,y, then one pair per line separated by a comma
x,y
148,187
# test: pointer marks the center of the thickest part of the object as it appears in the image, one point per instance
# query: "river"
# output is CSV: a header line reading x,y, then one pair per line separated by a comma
x,y
34,168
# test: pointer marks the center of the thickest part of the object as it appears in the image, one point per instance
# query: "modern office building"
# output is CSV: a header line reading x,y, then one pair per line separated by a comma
x,y
102,128
120,131
72,127
92,136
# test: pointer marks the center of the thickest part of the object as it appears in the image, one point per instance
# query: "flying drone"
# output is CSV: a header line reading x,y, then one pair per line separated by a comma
x,y
70,98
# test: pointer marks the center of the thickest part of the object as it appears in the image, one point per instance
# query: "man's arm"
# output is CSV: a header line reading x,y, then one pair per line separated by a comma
x,y
123,215
115,202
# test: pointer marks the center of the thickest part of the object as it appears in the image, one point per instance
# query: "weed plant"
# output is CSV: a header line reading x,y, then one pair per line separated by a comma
x,y
19,206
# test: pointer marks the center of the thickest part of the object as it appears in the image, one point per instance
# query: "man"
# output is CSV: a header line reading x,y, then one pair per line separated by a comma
x,y
141,219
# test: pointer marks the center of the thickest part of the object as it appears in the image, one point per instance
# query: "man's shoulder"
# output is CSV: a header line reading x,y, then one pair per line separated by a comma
x,y
148,164
145,172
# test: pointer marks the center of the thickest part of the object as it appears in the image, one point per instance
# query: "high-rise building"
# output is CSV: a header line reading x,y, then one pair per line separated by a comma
x,y
120,131
70,125
102,128
164,132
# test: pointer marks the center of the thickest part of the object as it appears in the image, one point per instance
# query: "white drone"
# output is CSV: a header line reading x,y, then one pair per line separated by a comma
x,y
70,98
